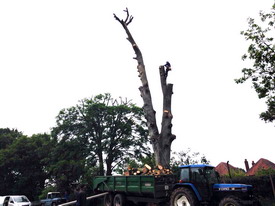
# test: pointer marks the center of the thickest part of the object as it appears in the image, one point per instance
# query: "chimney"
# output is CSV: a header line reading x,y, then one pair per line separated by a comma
x,y
246,165
253,163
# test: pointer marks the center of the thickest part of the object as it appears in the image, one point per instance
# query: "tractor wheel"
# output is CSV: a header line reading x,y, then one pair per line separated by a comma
x,y
230,201
119,200
108,199
183,197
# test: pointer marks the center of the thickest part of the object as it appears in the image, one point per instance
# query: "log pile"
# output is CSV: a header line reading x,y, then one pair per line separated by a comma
x,y
148,170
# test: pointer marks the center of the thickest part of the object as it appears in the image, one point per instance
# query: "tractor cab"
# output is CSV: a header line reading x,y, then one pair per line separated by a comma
x,y
200,178
198,173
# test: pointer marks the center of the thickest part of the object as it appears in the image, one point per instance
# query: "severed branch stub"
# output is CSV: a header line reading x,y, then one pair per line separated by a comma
x,y
161,142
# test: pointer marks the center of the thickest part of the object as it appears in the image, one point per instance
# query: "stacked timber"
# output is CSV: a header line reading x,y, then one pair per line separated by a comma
x,y
148,170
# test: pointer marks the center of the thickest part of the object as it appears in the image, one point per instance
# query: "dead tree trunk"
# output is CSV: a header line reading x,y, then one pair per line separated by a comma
x,y
161,141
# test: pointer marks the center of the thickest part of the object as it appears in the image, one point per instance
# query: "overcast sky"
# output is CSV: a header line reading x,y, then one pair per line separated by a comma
x,y
54,53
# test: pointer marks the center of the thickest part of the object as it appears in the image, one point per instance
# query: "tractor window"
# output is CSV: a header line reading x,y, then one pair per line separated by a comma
x,y
211,175
184,174
196,176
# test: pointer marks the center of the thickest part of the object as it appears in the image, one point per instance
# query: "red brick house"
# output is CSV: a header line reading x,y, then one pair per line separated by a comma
x,y
222,168
261,164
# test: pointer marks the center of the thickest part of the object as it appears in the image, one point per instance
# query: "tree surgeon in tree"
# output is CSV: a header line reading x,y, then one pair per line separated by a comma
x,y
161,141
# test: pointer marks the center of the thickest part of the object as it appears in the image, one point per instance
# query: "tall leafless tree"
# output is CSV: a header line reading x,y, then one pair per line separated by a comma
x,y
161,141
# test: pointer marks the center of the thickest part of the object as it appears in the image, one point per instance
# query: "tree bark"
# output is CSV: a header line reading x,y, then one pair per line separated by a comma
x,y
161,142
101,163
166,136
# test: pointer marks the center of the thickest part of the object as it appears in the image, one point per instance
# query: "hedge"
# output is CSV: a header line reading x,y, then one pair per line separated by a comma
x,y
261,184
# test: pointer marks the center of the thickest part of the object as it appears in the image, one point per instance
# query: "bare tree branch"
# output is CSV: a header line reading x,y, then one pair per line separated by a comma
x,y
161,142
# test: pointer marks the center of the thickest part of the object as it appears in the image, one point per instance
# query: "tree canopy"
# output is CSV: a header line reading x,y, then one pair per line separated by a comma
x,y
106,130
22,163
261,52
186,157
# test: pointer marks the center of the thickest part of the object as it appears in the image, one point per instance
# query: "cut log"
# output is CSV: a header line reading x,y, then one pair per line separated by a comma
x,y
127,173
148,167
160,167
147,170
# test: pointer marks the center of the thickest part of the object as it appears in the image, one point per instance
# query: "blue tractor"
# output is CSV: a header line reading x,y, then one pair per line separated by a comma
x,y
199,185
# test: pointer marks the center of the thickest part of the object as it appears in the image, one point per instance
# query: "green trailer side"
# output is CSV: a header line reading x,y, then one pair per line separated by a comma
x,y
155,188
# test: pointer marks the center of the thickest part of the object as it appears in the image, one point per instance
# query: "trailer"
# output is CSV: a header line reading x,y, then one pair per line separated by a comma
x,y
134,189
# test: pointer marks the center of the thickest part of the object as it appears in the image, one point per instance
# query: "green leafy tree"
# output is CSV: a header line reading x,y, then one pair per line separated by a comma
x,y
22,164
234,172
105,129
7,136
66,164
261,52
